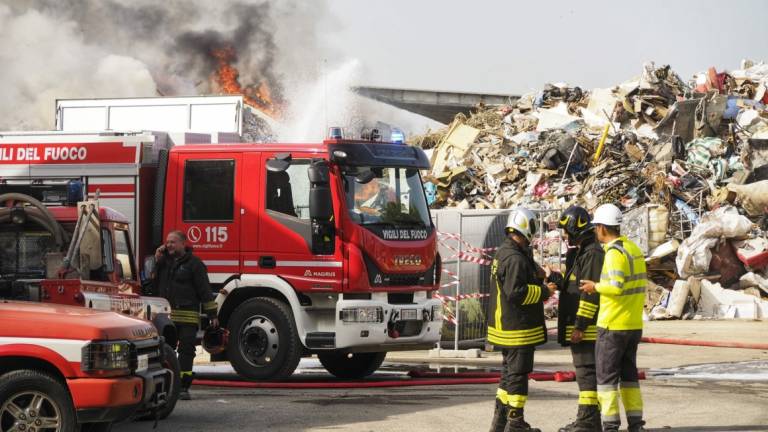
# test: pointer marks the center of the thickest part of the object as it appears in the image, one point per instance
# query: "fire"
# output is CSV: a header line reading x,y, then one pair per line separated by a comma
x,y
227,79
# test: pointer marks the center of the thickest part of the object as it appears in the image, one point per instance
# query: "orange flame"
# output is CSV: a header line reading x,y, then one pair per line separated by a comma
x,y
227,79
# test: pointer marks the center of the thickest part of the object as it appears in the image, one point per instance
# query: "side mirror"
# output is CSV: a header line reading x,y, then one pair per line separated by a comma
x,y
149,266
365,177
279,163
320,201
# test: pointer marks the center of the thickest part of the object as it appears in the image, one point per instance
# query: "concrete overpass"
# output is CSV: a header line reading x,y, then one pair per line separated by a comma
x,y
439,106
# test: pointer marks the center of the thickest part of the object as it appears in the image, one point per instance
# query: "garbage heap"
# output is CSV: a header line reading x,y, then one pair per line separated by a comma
x,y
686,161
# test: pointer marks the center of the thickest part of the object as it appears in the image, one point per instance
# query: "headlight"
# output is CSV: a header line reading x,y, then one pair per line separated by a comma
x,y
106,356
369,314
437,312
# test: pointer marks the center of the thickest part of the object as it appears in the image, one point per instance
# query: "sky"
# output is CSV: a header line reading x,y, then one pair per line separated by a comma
x,y
312,51
513,47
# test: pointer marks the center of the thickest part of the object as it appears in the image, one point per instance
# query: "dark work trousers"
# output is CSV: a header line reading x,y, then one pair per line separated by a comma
x,y
584,362
513,386
617,378
187,341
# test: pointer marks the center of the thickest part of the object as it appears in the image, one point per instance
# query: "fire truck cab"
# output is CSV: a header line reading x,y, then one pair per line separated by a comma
x,y
323,249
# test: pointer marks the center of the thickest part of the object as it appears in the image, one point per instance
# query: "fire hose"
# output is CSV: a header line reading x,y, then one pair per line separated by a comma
x,y
715,344
415,379
690,342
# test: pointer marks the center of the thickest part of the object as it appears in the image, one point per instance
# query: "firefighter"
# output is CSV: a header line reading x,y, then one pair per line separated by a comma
x,y
577,313
516,318
619,321
182,279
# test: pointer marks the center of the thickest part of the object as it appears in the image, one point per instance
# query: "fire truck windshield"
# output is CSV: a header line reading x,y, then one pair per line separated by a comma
x,y
386,196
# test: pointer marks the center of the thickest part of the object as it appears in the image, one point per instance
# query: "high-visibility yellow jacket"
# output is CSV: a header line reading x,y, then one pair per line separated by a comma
x,y
622,286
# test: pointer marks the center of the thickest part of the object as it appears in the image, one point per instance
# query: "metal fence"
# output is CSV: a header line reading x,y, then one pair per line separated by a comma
x,y
466,247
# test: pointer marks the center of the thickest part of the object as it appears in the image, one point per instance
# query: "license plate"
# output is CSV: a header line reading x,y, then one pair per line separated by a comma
x,y
409,314
143,363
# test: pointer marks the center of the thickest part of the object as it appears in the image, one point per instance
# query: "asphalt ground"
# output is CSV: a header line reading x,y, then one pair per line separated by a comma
x,y
719,389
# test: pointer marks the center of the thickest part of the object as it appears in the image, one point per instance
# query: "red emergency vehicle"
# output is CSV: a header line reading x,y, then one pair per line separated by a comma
x,y
323,248
69,368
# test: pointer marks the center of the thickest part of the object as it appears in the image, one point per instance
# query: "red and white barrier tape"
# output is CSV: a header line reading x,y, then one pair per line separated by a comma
x,y
447,298
469,248
470,254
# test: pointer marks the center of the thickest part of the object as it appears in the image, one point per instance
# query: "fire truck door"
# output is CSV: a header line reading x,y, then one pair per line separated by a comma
x,y
285,234
209,212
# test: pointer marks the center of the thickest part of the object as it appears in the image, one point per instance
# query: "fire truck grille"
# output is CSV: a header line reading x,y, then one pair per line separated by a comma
x,y
377,278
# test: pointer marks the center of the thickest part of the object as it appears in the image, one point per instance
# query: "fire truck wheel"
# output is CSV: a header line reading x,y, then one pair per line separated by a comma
x,y
169,361
36,401
264,343
351,366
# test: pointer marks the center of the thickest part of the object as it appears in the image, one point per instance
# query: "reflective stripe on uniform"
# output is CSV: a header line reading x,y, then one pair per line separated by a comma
x,y
590,333
516,337
588,397
621,274
631,398
533,296
502,396
633,291
211,305
608,399
185,316
516,401
586,309
497,312
513,400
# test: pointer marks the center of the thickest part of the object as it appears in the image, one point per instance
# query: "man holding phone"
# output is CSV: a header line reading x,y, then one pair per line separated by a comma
x,y
182,279
619,321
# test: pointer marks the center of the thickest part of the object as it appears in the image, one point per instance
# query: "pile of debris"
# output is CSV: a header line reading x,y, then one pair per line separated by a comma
x,y
685,161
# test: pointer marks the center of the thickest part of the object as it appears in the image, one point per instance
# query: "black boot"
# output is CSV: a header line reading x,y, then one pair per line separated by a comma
x,y
499,417
635,424
186,382
588,419
516,422
571,427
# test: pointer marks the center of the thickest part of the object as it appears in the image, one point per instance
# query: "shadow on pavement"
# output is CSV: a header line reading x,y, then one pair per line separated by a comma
x,y
746,428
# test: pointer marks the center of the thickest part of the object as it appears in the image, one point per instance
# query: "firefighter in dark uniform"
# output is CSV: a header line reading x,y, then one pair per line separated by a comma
x,y
516,318
182,279
577,312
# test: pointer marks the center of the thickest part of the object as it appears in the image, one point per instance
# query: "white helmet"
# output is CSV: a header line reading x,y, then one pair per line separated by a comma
x,y
523,221
608,215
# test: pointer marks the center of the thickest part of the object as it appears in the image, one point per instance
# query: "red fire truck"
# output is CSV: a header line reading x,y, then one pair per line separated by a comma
x,y
323,248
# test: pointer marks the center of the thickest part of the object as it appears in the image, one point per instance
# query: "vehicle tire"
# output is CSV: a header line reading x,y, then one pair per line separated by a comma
x,y
169,361
36,399
264,343
351,366
96,427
